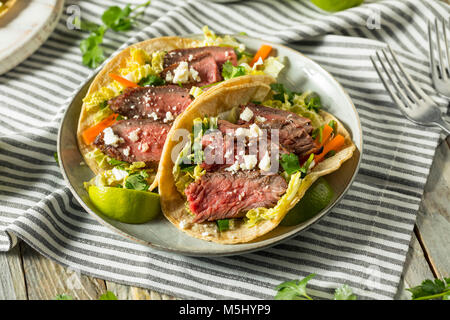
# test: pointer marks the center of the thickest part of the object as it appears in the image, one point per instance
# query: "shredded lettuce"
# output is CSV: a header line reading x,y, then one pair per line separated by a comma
x,y
272,66
256,215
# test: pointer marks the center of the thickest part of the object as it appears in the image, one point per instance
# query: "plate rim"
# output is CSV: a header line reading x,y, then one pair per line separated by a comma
x,y
159,247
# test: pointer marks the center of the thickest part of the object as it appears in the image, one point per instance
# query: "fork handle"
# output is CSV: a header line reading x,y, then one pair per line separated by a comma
x,y
444,125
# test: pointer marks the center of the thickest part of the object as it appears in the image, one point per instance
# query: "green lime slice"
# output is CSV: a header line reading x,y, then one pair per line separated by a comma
x,y
316,198
125,205
336,5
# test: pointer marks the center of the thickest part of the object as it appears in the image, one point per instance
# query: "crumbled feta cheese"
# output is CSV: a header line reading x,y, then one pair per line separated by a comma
x,y
110,138
205,234
190,57
260,119
134,135
255,131
144,147
169,76
126,152
234,168
118,174
264,164
250,161
169,117
242,132
246,115
194,75
153,115
181,73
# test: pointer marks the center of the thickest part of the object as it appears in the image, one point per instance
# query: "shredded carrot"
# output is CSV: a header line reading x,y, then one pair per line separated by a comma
x,y
326,133
125,82
333,145
91,133
263,52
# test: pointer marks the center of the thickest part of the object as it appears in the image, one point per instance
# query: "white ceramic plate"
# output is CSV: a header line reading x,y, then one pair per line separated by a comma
x,y
301,74
24,28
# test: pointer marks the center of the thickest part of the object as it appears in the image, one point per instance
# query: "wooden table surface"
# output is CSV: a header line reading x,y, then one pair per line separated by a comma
x,y
25,274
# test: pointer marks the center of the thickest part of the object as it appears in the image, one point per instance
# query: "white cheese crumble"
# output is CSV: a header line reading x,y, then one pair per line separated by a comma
x,y
242,132
134,135
260,119
205,234
194,75
119,174
110,138
181,73
169,77
264,164
246,115
153,115
234,168
126,152
144,146
255,131
169,117
250,161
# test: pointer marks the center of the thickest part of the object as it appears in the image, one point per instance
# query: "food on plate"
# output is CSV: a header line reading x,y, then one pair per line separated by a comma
x,y
238,160
5,5
133,101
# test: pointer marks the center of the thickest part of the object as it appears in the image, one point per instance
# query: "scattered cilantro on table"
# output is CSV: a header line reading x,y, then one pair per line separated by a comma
x,y
429,289
108,295
114,18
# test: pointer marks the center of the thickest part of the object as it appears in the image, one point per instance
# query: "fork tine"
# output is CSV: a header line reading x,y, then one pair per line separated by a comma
x,y
413,96
410,80
434,71
388,87
397,87
441,59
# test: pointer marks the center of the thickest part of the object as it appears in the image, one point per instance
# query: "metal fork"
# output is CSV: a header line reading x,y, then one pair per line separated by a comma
x,y
441,69
409,97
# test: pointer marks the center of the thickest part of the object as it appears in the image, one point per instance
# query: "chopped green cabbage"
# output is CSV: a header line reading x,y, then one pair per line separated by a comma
x,y
272,66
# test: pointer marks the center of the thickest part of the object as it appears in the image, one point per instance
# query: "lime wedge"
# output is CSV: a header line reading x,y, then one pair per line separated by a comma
x,y
336,5
125,205
316,198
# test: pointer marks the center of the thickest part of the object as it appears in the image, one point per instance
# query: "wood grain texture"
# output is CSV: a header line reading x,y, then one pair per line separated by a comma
x,y
12,281
46,279
415,271
433,219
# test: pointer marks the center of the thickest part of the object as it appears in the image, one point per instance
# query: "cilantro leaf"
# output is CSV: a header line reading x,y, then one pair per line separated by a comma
x,y
294,290
115,162
313,102
137,181
223,224
282,93
91,49
229,71
344,293
63,297
290,163
55,155
117,19
430,289
152,80
108,295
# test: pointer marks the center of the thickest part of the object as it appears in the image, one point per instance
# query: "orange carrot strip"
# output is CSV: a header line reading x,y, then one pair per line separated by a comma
x,y
125,82
91,133
263,52
326,133
334,144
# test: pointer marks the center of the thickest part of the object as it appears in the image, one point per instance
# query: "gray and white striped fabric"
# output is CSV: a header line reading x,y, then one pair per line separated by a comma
x,y
363,242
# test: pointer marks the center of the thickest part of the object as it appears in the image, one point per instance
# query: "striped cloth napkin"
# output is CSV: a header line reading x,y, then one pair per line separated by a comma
x,y
362,242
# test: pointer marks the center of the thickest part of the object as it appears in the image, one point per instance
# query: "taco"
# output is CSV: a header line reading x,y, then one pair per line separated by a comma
x,y
132,102
5,5
215,185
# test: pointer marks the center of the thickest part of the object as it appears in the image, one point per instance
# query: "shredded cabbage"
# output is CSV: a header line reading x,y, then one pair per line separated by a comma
x,y
158,61
195,91
100,158
102,114
272,66
211,39
258,214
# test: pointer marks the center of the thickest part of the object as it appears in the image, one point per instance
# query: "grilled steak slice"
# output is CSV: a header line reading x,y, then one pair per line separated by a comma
x,y
151,102
204,64
138,140
294,131
220,55
222,195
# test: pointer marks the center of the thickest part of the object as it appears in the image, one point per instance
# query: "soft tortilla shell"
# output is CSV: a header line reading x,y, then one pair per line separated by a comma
x,y
223,99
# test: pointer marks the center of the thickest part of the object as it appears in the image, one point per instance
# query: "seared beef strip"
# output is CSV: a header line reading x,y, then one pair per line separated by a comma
x,y
223,195
205,65
140,140
294,131
151,102
220,55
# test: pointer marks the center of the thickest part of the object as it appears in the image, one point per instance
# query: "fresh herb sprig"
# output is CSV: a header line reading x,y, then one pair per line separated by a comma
x,y
114,18
108,295
429,289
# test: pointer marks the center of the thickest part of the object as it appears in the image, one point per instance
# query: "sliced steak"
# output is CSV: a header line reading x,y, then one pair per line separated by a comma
x,y
204,64
139,140
223,195
151,102
220,55
294,131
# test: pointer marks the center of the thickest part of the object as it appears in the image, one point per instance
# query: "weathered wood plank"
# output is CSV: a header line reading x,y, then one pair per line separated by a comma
x,y
416,270
12,281
433,220
46,279
124,292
